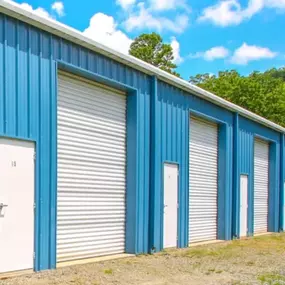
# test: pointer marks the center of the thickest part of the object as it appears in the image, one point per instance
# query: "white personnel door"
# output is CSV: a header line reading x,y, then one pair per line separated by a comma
x,y
203,180
170,205
261,173
243,205
16,205
91,185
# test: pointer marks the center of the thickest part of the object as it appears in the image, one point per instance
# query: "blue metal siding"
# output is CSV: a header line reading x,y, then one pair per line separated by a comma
x,y
282,181
225,182
171,109
248,130
28,106
157,132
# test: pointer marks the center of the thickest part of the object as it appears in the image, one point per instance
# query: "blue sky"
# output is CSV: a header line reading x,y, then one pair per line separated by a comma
x,y
207,36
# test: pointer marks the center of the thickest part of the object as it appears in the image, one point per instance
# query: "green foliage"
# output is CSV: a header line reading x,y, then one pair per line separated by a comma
x,y
151,49
261,93
108,271
277,73
272,279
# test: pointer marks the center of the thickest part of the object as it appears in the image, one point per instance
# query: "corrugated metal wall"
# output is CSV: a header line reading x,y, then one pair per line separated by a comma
x,y
282,182
170,143
28,110
28,100
248,130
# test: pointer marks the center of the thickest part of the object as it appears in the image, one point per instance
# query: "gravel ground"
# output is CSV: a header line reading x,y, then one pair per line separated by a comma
x,y
259,260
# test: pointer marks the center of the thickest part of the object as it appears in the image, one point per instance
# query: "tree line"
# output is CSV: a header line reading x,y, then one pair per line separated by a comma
x,y
260,92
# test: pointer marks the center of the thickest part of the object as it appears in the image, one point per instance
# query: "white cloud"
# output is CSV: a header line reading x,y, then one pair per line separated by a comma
x,y
216,53
143,19
246,53
103,28
58,7
176,50
39,11
125,4
277,4
230,12
213,53
161,5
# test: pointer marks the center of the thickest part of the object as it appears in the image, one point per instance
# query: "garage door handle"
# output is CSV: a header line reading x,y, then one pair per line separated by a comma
x,y
3,205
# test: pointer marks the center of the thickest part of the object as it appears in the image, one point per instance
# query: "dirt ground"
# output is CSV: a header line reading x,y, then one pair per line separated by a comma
x,y
259,260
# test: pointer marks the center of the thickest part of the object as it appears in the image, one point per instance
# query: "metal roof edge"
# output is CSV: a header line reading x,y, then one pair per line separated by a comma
x,y
54,27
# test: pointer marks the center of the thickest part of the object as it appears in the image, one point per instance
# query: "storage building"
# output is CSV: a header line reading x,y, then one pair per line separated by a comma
x,y
103,154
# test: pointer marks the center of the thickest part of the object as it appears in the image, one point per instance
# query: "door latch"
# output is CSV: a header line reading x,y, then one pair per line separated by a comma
x,y
2,206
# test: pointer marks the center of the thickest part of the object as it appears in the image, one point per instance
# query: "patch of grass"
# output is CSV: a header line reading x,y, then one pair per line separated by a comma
x,y
225,251
219,271
262,245
200,252
211,270
272,279
108,271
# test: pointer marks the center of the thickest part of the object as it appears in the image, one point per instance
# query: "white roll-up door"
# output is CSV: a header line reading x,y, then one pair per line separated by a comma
x,y
203,185
261,173
91,170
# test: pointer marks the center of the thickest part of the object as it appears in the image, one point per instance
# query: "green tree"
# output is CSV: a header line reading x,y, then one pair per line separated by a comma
x,y
277,73
261,93
150,48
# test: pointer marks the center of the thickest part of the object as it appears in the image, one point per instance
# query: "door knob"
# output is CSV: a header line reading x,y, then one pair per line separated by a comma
x,y
3,205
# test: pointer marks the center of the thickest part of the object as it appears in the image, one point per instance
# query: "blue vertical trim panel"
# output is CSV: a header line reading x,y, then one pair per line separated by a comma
x,y
28,110
236,179
224,182
2,73
153,216
273,197
282,180
53,163
248,130
132,156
